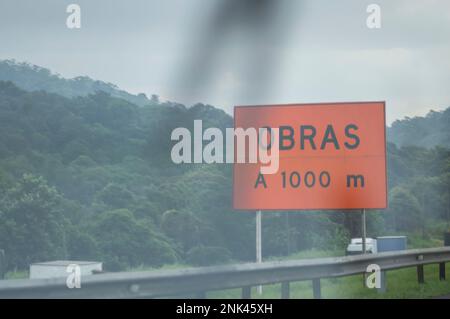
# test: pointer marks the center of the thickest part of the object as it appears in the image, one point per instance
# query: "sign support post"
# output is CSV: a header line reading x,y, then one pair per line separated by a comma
x,y
363,237
258,243
363,230
2,264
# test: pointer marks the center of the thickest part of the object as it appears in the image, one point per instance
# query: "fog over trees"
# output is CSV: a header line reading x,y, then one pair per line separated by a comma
x,y
85,174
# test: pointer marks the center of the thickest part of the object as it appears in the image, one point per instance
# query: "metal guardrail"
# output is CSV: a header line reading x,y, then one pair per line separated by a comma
x,y
165,283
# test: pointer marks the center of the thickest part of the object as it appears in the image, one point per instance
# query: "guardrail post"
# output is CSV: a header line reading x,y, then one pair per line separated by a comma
x,y
246,292
316,288
2,264
285,292
420,274
442,271
200,295
382,288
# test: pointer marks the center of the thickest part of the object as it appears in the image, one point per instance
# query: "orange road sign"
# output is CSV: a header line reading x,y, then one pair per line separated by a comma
x,y
331,156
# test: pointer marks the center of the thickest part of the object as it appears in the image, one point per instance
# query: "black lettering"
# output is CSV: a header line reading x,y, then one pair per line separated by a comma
x,y
266,132
352,136
260,180
294,179
324,179
313,179
310,137
289,137
329,137
356,179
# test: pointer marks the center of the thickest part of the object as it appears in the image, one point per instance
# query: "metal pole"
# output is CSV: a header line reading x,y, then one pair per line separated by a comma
x,y
363,233
288,231
258,243
2,264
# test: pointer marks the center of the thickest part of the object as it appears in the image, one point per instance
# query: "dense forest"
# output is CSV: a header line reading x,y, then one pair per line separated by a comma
x,y
88,176
429,131
35,78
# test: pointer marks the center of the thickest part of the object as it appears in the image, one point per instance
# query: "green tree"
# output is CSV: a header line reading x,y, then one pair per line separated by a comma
x,y
81,245
183,227
31,223
125,242
405,212
115,196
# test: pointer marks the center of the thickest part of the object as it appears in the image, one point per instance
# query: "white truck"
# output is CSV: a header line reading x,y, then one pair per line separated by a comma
x,y
355,246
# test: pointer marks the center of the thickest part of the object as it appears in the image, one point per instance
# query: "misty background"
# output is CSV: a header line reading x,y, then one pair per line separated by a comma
x,y
229,52
85,169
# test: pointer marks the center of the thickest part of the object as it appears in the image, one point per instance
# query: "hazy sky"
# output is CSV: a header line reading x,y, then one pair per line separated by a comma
x,y
233,52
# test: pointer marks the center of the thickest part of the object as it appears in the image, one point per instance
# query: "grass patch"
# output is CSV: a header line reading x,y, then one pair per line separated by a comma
x,y
17,275
401,284
164,267
307,254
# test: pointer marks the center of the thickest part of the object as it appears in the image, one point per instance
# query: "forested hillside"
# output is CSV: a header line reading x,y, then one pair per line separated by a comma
x,y
90,177
428,131
35,78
